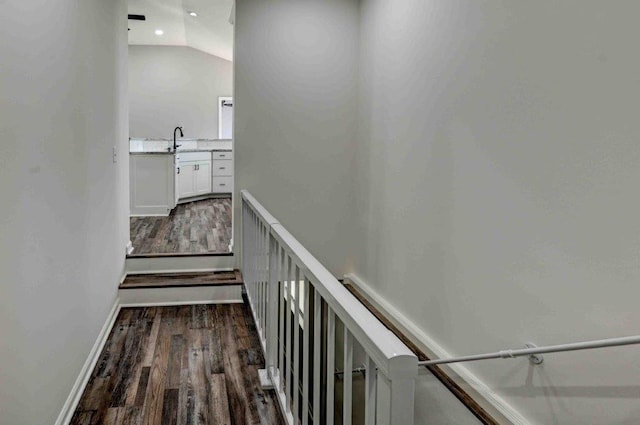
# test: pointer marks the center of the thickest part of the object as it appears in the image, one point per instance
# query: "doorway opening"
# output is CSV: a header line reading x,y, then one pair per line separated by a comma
x,y
181,162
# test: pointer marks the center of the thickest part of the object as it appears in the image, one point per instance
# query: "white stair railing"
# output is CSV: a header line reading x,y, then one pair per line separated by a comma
x,y
296,303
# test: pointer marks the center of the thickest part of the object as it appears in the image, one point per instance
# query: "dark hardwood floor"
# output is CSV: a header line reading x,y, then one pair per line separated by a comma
x,y
199,227
179,365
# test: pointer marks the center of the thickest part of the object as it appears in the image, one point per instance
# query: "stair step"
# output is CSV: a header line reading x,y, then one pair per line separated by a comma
x,y
185,279
180,254
184,264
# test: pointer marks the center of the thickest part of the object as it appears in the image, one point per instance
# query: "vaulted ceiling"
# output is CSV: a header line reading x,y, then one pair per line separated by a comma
x,y
209,31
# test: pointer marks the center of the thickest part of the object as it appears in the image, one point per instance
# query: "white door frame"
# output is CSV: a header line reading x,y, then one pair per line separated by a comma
x,y
220,100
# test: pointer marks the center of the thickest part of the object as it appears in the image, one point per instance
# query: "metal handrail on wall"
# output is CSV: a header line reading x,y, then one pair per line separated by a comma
x,y
296,303
533,352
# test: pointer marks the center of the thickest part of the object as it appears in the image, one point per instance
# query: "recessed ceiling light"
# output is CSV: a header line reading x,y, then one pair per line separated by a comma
x,y
159,32
194,14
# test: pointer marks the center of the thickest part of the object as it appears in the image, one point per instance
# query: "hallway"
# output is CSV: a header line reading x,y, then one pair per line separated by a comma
x,y
179,365
470,167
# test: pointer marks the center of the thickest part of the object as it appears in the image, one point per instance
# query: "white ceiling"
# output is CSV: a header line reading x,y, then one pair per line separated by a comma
x,y
210,31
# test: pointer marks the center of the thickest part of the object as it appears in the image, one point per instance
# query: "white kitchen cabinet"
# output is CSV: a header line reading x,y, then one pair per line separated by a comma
x,y
159,180
222,168
202,178
185,176
151,179
194,178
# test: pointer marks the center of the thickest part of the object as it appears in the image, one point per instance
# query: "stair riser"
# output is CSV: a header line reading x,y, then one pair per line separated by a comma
x,y
179,264
177,296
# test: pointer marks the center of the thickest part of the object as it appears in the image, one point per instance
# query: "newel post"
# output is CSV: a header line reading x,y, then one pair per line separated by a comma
x,y
396,392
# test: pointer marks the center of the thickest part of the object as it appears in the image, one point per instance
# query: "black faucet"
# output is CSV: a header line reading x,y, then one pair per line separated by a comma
x,y
175,146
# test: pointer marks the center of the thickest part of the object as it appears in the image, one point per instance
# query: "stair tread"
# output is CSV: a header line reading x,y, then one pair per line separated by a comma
x,y
183,279
179,254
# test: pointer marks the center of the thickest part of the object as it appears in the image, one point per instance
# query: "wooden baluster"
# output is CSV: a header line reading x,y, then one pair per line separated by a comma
x,y
265,277
258,312
254,252
282,302
261,296
347,378
245,242
331,363
272,303
296,344
306,311
289,344
317,355
370,385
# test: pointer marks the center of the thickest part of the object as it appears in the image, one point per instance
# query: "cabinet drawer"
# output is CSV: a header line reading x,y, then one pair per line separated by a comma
x,y
222,184
222,155
222,167
192,156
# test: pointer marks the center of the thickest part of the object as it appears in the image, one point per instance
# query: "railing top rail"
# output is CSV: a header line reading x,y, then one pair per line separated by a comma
x,y
258,208
393,358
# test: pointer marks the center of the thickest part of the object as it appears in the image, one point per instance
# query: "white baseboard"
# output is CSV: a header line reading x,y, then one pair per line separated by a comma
x,y
429,345
85,373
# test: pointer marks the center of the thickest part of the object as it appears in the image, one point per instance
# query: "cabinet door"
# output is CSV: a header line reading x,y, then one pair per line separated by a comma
x,y
186,188
202,179
176,181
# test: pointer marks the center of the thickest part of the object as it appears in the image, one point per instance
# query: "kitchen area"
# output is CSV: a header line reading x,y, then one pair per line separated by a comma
x,y
181,163
164,183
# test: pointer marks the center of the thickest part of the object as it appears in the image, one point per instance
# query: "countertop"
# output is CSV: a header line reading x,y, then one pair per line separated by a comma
x,y
151,153
164,147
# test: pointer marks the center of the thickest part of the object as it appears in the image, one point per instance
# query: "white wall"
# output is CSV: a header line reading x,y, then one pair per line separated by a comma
x,y
497,189
171,86
64,221
295,97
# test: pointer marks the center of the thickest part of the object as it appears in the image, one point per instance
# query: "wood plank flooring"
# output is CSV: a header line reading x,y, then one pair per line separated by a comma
x,y
179,365
199,227
172,280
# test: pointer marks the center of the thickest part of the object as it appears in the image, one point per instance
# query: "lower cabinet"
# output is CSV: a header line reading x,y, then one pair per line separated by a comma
x,y
202,178
158,180
185,174
222,172
194,179
151,179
